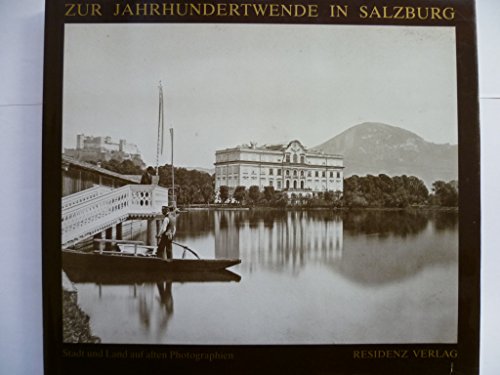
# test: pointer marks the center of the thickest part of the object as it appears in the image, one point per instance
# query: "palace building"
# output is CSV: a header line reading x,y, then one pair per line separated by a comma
x,y
290,167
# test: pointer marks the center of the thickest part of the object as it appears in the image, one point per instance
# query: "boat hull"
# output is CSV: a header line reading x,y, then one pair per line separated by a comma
x,y
80,275
119,262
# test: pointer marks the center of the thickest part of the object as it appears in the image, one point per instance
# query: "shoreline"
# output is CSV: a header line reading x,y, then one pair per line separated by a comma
x,y
333,209
75,322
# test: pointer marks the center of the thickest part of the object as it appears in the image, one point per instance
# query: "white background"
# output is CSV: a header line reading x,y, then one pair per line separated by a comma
x,y
21,63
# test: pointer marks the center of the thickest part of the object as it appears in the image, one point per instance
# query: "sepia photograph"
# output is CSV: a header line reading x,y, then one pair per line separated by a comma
x,y
259,184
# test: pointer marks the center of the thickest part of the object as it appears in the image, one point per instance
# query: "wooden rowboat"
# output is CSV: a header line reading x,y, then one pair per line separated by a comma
x,y
82,275
115,261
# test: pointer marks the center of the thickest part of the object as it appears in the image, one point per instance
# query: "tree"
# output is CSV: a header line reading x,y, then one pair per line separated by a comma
x,y
126,167
254,193
269,193
207,192
191,186
328,196
418,191
223,193
239,193
383,191
445,193
280,199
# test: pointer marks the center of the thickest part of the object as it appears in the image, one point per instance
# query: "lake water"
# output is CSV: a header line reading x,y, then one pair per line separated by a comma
x,y
307,277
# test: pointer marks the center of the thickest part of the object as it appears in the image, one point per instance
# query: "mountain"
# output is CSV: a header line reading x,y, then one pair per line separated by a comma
x,y
374,148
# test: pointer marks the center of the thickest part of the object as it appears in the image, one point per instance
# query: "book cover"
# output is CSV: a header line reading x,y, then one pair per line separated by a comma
x,y
242,187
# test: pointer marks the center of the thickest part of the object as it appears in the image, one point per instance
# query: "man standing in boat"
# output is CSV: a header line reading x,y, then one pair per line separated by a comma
x,y
167,232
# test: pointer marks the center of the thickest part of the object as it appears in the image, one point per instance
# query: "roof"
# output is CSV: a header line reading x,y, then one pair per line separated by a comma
x,y
99,170
280,147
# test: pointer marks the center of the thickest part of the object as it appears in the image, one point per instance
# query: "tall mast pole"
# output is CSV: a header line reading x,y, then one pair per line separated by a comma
x,y
174,203
159,140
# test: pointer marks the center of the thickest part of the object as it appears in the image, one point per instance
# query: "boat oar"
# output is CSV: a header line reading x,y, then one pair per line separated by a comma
x,y
187,248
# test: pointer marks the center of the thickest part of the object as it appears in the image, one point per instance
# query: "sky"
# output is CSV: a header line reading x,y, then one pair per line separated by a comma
x,y
229,84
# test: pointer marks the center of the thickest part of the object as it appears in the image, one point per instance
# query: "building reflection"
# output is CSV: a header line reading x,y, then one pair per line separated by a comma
x,y
367,247
279,240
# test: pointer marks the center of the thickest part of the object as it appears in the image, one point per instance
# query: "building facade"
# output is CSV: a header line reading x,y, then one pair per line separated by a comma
x,y
290,167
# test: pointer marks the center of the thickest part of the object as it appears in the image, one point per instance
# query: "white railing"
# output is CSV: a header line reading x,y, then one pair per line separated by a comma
x,y
83,196
147,198
100,212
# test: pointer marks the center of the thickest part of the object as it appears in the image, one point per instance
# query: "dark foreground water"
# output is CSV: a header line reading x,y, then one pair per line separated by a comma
x,y
306,277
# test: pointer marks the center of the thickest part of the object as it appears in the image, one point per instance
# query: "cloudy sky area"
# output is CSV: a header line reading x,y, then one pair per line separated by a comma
x,y
226,85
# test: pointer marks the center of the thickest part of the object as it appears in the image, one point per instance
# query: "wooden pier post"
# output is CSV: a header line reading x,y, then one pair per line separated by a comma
x,y
151,230
158,223
97,245
119,231
109,236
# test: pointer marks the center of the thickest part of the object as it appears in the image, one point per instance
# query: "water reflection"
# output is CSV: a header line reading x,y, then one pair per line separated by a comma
x,y
144,311
197,224
385,223
167,301
307,277
135,307
383,245
153,307
445,221
280,240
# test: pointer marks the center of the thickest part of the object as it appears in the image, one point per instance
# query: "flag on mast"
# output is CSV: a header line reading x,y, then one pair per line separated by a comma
x,y
160,137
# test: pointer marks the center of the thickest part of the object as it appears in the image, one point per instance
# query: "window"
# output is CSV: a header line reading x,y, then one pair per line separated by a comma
x,y
287,158
302,184
301,173
271,183
302,159
323,174
288,184
338,174
287,172
271,171
279,172
331,174
316,174
295,173
279,184
309,173
295,158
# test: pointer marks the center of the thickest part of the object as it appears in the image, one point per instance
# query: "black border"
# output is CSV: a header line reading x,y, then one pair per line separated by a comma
x,y
270,359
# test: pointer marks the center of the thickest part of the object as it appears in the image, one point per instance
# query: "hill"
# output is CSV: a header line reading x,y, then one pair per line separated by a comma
x,y
374,148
